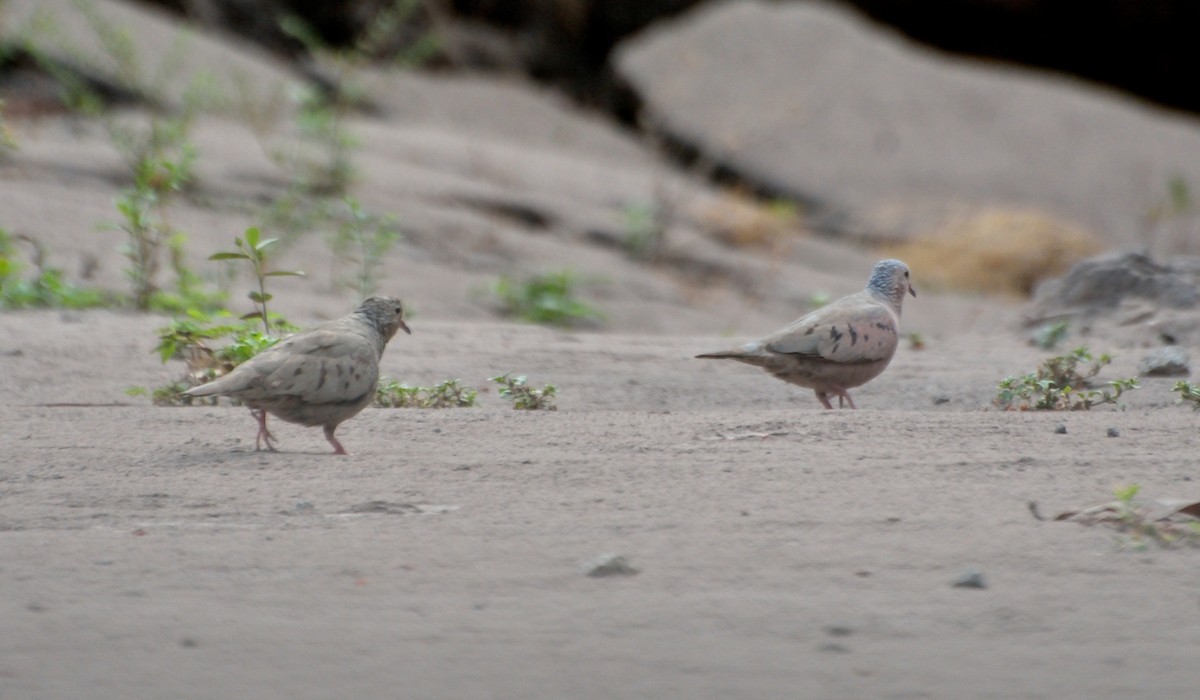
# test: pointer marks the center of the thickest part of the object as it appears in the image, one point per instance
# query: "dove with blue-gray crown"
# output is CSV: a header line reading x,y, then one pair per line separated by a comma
x,y
839,346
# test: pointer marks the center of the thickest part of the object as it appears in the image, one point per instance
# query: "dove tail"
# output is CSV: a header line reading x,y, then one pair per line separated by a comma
x,y
206,389
722,355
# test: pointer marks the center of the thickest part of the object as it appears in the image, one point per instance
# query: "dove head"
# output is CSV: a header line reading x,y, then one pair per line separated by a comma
x,y
890,281
386,314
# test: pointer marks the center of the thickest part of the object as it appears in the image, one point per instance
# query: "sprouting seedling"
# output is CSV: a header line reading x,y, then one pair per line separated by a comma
x,y
254,250
1188,392
525,397
363,239
1060,385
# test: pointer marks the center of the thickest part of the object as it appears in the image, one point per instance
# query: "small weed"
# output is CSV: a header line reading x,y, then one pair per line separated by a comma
x,y
525,397
322,163
546,298
818,299
188,339
645,231
46,288
253,249
1188,392
1138,524
449,394
7,142
145,239
362,240
1060,385
1049,335
916,341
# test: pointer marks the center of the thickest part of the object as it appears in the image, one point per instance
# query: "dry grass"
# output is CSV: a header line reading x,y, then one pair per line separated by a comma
x,y
996,251
739,220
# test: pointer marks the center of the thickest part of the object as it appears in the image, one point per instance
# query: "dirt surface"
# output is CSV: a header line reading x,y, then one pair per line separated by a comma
x,y
784,551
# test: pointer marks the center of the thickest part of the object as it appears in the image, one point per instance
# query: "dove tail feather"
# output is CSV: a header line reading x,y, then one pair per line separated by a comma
x,y
206,389
722,355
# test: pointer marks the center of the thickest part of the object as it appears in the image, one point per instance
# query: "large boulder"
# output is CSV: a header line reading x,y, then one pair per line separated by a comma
x,y
815,103
142,52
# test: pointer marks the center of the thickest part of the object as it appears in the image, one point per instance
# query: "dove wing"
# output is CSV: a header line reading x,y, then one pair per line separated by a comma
x,y
849,331
321,367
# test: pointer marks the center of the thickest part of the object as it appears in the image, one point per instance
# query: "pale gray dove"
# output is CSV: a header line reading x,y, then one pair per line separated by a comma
x,y
840,346
320,376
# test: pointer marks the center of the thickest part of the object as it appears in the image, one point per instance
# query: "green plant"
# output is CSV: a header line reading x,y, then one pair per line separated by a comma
x,y
1049,335
1188,392
525,397
361,240
1138,523
188,339
645,231
449,394
7,142
546,298
46,288
916,341
253,249
1060,385
141,250
321,162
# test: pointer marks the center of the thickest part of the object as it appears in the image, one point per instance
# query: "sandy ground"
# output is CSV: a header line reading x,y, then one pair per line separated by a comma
x,y
784,551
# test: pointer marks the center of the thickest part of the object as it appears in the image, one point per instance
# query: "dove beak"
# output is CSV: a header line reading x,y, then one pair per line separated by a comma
x,y
912,290
405,327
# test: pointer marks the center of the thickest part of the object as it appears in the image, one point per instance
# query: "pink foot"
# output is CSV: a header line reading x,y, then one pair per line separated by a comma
x,y
264,435
337,446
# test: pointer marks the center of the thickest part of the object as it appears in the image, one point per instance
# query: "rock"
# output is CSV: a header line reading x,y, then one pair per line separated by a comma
x,y
809,101
608,565
1113,432
971,578
236,67
1169,361
1128,293
1060,429
1105,281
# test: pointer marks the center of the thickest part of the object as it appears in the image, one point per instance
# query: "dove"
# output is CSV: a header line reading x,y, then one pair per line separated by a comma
x,y
839,346
320,376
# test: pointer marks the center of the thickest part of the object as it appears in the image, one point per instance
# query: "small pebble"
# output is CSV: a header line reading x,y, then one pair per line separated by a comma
x,y
1060,429
608,565
1113,432
970,578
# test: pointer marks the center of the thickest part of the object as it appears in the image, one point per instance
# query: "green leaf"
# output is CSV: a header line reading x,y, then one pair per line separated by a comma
x,y
259,298
285,273
229,256
256,314
252,234
263,246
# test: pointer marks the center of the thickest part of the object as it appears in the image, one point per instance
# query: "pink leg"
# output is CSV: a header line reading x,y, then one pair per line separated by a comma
x,y
337,446
824,399
843,394
264,435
